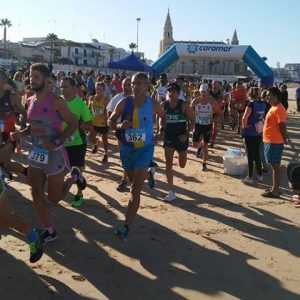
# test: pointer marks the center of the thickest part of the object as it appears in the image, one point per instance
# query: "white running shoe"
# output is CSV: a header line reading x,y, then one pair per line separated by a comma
x,y
171,196
260,178
247,180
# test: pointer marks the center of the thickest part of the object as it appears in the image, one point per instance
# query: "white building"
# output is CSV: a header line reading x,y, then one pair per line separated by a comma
x,y
292,71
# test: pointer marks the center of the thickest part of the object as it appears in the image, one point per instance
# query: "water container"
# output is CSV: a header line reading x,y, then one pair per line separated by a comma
x,y
234,162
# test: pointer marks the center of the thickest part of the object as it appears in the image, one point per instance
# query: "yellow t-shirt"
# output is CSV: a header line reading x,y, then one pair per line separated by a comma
x,y
98,108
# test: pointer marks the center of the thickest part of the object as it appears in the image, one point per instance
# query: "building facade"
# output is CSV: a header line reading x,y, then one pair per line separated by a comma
x,y
200,66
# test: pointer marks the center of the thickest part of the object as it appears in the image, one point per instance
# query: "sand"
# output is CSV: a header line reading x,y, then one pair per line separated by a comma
x,y
219,240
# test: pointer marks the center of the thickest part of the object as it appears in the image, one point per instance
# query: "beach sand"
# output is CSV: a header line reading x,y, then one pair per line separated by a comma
x,y
219,240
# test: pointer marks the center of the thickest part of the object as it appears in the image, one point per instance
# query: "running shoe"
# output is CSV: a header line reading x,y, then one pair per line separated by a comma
x,y
48,237
199,152
153,164
204,167
151,181
104,159
94,149
247,180
78,178
36,248
260,178
170,197
122,186
78,201
122,233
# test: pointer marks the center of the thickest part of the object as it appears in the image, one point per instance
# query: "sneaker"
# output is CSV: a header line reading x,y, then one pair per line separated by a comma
x,y
151,181
94,149
122,233
78,200
36,248
260,178
104,159
247,180
47,237
204,167
170,197
199,152
80,180
153,164
122,186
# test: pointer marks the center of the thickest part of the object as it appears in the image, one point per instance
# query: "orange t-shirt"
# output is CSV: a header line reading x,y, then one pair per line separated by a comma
x,y
239,98
271,132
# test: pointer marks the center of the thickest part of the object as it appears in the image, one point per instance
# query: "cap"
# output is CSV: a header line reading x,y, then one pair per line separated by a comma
x,y
204,87
173,86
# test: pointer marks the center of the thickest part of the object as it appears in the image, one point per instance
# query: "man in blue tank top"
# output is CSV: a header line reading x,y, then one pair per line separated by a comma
x,y
137,141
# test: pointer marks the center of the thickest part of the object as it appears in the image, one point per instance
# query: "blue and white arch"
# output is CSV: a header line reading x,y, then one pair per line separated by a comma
x,y
216,51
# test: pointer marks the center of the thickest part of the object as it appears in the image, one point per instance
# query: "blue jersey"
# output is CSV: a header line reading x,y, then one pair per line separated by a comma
x,y
141,132
256,120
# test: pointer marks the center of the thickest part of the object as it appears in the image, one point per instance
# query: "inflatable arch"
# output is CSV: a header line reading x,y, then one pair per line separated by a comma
x,y
216,51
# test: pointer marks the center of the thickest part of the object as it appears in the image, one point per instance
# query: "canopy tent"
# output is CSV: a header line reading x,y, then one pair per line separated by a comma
x,y
130,63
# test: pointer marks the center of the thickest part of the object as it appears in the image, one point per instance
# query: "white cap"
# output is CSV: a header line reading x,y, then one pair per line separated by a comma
x,y
204,87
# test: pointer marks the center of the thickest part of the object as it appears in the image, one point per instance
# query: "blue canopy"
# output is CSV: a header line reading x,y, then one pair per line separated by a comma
x,y
130,63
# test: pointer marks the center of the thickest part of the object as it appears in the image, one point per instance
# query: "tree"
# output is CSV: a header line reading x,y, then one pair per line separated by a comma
x,y
194,63
51,38
69,44
132,46
5,23
111,52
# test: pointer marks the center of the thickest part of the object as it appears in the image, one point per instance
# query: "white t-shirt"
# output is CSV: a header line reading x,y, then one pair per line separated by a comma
x,y
113,103
161,93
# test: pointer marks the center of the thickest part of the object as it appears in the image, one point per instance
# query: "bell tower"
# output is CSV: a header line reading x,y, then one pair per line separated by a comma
x,y
167,40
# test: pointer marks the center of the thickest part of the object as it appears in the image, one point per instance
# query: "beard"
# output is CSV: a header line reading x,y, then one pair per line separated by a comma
x,y
37,88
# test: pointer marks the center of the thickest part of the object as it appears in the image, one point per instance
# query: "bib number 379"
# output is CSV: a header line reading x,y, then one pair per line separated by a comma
x,y
39,155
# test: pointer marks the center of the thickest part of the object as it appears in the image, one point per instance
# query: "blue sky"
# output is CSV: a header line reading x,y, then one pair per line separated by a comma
x,y
268,25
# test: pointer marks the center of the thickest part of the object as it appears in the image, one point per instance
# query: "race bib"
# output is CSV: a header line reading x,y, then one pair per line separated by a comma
x,y
39,155
203,120
70,139
1,125
135,135
97,112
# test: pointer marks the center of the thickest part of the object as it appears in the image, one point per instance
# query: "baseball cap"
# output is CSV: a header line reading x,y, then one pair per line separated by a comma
x,y
204,87
173,86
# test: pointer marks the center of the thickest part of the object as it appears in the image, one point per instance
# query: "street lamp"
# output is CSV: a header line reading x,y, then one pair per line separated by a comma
x,y
137,34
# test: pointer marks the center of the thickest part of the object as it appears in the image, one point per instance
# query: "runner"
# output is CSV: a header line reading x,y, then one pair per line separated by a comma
x,y
9,220
238,105
137,141
47,157
76,143
127,91
217,93
205,110
98,105
178,122
10,103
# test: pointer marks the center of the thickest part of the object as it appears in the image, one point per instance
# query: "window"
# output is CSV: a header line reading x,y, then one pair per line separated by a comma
x,y
84,52
76,50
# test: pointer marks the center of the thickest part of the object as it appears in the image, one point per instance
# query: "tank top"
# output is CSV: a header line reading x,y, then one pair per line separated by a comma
x,y
46,122
256,120
176,119
204,113
141,132
7,115
98,110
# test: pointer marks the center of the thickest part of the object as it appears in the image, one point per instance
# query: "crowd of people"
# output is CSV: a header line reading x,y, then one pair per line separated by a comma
x,y
62,113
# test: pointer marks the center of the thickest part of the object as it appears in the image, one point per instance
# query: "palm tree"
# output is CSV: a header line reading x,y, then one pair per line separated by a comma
x,y
132,46
111,52
52,38
5,23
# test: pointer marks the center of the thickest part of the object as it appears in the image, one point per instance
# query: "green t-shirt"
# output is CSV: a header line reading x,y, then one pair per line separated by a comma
x,y
78,107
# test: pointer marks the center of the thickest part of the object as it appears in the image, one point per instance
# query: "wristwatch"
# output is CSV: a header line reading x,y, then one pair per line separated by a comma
x,y
57,142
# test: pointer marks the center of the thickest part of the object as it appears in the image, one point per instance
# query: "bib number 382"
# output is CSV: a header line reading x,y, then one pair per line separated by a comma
x,y
135,135
39,155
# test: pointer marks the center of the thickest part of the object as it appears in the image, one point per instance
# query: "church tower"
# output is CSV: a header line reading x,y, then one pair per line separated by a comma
x,y
167,40
234,40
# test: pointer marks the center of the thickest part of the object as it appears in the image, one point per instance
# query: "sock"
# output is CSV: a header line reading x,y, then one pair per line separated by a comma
x,y
32,236
49,228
